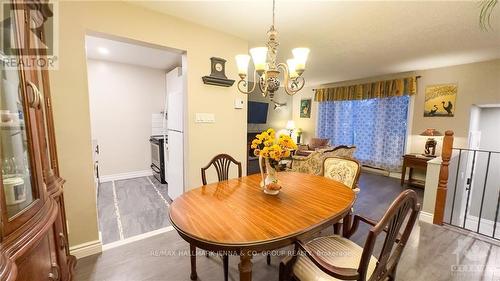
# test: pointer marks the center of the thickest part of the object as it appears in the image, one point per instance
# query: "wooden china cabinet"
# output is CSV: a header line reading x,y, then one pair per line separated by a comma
x,y
33,233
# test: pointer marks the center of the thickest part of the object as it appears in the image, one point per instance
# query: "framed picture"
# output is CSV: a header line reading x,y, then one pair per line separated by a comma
x,y
305,108
440,100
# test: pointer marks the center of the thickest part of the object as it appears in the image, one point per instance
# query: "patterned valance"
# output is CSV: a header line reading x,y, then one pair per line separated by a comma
x,y
379,89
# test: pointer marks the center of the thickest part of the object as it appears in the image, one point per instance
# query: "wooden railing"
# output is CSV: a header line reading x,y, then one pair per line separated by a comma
x,y
443,178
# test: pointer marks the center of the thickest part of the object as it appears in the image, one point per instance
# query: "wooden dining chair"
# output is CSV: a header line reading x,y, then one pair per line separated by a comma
x,y
338,258
222,164
346,171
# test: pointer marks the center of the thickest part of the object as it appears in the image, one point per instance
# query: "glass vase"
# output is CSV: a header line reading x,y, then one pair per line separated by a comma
x,y
270,183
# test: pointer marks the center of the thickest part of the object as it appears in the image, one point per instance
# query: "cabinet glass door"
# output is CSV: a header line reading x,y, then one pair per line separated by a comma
x,y
14,154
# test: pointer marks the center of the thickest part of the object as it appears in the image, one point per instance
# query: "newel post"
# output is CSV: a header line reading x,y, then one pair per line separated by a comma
x,y
443,178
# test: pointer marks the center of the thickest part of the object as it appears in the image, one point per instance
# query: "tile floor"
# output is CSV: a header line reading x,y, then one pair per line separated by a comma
x,y
131,207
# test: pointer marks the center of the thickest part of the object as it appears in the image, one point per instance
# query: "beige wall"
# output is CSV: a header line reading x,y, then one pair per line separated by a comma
x,y
478,83
276,119
71,99
122,99
307,125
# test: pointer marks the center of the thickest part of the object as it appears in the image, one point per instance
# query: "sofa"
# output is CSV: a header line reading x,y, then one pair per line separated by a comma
x,y
314,145
313,163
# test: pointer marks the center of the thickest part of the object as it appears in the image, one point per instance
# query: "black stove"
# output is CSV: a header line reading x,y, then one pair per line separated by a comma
x,y
158,157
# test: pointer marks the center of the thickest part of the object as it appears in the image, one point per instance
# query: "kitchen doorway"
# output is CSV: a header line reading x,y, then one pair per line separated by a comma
x,y
137,108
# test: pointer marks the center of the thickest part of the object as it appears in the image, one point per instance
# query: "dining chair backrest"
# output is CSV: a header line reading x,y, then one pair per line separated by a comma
x,y
344,170
402,214
222,163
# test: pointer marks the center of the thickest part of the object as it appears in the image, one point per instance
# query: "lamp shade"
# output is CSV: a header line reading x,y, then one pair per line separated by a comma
x,y
259,57
242,63
292,68
429,132
290,125
300,55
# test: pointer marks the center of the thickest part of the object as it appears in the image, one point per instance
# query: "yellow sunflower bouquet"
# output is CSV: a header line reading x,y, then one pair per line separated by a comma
x,y
274,149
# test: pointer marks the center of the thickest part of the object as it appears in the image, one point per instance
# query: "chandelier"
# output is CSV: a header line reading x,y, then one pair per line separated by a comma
x,y
267,70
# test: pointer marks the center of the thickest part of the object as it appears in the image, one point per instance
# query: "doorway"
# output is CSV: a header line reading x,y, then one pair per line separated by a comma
x,y
128,100
474,195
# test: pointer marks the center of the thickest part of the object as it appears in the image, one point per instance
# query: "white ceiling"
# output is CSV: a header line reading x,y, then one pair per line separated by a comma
x,y
356,39
131,53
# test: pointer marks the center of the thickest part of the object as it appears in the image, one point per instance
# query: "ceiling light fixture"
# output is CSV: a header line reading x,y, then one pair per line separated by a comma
x,y
278,106
268,70
103,51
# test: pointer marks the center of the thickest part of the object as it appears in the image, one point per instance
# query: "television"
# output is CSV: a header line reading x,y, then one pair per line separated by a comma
x,y
257,112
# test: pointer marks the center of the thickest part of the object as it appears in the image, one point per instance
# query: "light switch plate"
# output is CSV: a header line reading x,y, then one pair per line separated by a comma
x,y
238,104
205,118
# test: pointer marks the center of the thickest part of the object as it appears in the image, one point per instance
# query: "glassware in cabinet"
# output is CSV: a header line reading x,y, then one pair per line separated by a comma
x,y
14,149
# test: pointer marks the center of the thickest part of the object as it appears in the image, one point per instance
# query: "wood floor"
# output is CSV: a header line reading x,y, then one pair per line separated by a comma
x,y
432,253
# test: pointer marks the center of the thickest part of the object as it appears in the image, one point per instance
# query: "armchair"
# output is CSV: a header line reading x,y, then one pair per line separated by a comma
x,y
313,163
314,145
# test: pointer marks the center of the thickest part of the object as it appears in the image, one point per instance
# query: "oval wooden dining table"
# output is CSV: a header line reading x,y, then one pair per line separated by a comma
x,y
238,217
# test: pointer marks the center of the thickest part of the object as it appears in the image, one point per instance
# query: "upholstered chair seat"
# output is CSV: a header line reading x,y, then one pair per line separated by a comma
x,y
335,250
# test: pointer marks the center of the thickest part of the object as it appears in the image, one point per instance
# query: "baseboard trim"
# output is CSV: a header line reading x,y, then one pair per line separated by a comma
x,y
86,249
139,237
395,175
383,172
124,176
486,226
373,170
426,217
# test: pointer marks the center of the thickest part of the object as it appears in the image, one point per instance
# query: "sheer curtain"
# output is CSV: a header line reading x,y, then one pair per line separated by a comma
x,y
377,127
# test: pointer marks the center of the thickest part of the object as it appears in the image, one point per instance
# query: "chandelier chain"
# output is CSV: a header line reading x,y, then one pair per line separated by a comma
x,y
274,8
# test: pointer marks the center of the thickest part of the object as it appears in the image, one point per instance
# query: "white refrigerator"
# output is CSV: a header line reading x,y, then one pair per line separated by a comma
x,y
174,158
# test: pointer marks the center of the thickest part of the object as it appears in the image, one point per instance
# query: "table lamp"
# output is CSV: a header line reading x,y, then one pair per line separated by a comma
x,y
290,126
430,144
298,132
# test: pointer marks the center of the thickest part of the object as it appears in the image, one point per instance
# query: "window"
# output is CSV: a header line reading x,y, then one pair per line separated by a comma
x,y
377,127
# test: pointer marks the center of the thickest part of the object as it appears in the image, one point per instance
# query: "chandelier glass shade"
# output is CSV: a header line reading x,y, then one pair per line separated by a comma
x,y
267,70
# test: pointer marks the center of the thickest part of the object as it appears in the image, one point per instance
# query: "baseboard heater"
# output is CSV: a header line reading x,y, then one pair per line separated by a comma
x,y
375,170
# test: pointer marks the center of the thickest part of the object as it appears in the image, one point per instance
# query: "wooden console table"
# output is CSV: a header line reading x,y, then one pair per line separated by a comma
x,y
414,161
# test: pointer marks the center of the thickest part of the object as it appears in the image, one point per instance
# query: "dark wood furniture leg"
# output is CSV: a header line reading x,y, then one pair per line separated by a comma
x,y
192,251
346,224
410,176
403,173
245,266
336,228
225,261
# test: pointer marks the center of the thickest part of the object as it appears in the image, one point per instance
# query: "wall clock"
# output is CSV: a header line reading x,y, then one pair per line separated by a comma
x,y
218,76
